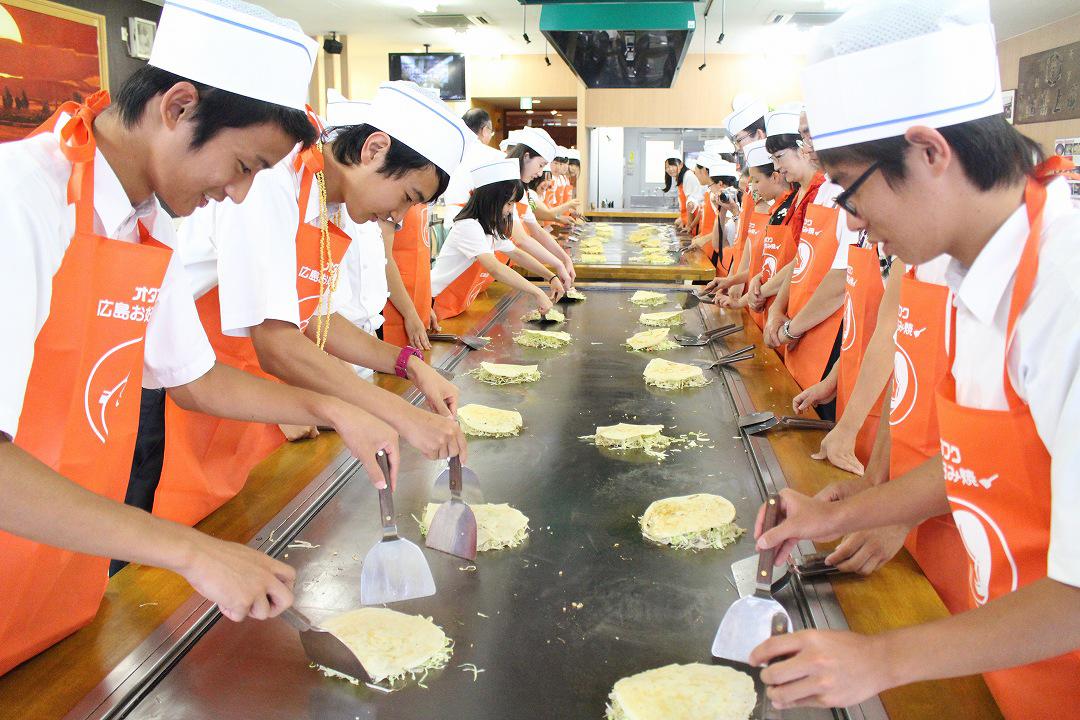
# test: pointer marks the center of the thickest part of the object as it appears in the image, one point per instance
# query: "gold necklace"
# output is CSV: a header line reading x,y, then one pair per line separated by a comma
x,y
328,274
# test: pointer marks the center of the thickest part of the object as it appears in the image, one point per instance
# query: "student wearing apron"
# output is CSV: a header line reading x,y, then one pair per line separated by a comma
x,y
276,316
1007,406
407,315
677,173
533,148
99,306
721,176
774,193
573,171
366,265
477,249
781,244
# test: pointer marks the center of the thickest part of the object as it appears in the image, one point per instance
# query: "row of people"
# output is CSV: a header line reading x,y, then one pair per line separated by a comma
x,y
908,252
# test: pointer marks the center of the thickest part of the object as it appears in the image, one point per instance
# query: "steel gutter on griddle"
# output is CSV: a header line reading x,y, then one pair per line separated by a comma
x,y
127,684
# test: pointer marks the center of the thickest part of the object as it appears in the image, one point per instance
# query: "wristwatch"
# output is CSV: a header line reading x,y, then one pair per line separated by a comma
x,y
401,366
786,329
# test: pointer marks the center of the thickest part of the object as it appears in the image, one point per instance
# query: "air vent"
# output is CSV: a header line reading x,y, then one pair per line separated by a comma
x,y
452,21
802,19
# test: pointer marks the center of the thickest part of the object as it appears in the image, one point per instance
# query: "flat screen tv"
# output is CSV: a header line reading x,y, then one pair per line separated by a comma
x,y
444,72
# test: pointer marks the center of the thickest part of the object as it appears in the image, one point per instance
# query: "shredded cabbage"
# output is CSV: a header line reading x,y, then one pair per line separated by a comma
x,y
552,315
542,339
714,538
436,662
481,374
646,298
470,430
652,260
661,319
700,381
575,294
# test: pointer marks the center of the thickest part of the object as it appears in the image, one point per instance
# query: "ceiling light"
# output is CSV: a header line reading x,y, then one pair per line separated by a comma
x,y
528,112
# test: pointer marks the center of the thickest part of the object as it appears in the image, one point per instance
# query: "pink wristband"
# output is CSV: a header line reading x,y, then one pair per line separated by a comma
x,y
400,367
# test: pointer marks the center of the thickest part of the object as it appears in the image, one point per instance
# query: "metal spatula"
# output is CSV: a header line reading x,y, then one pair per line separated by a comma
x,y
394,569
324,648
473,341
708,336
470,486
744,572
748,622
759,422
743,353
453,529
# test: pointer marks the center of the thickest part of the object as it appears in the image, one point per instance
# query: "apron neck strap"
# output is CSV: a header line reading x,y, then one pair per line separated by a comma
x,y
1028,267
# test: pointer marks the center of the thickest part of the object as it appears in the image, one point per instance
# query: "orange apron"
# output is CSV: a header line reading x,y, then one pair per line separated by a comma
x,y
919,366
861,304
682,205
80,412
997,474
817,246
565,191
412,254
777,250
743,228
550,195
708,222
208,459
756,227
460,294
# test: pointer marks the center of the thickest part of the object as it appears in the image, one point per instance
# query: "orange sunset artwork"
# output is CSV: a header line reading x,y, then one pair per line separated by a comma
x,y
44,61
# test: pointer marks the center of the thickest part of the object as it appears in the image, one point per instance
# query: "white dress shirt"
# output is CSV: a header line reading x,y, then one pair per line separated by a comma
x,y
249,250
365,265
1044,358
39,224
464,244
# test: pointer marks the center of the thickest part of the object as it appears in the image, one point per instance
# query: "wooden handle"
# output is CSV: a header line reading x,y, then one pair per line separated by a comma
x,y
763,581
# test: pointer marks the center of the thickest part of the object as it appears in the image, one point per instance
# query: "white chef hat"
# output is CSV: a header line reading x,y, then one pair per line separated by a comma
x,y
747,112
757,155
573,154
496,171
723,168
238,47
561,152
784,120
719,145
342,111
538,140
886,66
705,159
405,112
690,162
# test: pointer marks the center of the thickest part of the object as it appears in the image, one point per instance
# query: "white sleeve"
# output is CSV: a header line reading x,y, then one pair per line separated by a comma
x,y
177,349
690,183
256,243
471,240
1046,371
32,255
503,245
845,235
529,216
840,260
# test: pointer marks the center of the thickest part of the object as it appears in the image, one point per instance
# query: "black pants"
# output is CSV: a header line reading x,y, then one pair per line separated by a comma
x,y
148,457
827,411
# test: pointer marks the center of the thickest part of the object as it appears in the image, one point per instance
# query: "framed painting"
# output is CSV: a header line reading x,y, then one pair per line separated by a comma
x,y
49,53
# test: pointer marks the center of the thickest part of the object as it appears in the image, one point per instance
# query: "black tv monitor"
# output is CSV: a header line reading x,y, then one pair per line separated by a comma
x,y
444,72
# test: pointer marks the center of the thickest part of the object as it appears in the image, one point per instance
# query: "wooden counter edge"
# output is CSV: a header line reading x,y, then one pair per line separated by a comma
x,y
898,594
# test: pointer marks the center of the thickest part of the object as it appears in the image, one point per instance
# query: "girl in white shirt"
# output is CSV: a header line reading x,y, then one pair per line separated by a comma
x,y
478,246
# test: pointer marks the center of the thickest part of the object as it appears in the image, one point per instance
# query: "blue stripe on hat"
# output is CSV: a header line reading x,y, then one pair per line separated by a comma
x,y
821,136
242,25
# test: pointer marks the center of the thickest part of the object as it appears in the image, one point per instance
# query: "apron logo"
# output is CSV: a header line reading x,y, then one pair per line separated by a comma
x,y
955,472
768,267
905,390
104,390
848,338
984,541
803,259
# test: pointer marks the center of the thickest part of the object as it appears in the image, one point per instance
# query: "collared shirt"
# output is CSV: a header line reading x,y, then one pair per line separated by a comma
x,y
39,224
464,244
365,265
690,184
1044,358
248,251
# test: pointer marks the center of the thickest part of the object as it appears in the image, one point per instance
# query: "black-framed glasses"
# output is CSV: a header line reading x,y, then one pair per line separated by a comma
x,y
844,198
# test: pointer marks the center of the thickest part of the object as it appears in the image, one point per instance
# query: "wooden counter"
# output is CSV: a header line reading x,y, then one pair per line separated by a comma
x,y
140,599
624,214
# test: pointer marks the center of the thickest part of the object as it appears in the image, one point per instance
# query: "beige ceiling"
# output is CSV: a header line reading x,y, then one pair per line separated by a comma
x,y
389,22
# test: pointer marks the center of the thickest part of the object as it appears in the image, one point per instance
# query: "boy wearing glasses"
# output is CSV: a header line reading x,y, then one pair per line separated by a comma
x,y
930,135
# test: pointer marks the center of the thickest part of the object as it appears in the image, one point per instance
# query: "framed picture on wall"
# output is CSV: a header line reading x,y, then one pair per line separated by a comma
x,y
141,37
49,54
1008,101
